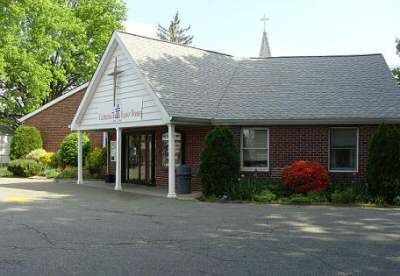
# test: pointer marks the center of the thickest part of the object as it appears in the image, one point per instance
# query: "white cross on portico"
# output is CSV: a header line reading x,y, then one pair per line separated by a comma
x,y
264,19
115,76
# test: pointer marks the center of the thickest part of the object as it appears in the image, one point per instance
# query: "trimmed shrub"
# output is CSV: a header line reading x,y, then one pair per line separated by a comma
x,y
348,193
37,155
251,189
4,172
68,153
68,172
219,162
266,196
384,163
50,173
25,140
96,160
245,189
48,159
25,167
309,198
396,201
305,176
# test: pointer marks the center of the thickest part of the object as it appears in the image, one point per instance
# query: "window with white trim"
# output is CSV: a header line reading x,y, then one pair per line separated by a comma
x,y
343,149
254,149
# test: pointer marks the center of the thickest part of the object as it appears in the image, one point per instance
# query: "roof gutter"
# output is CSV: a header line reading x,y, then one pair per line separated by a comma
x,y
337,121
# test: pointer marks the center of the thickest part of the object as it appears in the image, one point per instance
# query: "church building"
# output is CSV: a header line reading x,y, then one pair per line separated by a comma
x,y
156,101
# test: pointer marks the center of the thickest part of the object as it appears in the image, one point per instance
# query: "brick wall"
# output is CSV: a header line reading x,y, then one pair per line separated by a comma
x,y
53,122
287,144
291,143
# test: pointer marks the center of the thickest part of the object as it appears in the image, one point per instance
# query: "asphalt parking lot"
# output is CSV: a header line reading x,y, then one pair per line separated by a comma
x,y
49,228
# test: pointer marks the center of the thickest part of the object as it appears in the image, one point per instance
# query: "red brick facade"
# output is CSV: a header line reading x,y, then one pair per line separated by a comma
x,y
53,122
287,144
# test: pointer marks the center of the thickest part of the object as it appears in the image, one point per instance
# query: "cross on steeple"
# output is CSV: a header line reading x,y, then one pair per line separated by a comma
x,y
264,19
115,76
265,51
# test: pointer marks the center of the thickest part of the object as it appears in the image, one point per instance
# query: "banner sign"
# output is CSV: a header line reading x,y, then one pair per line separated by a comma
x,y
123,111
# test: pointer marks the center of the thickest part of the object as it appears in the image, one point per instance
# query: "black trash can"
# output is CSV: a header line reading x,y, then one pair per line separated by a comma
x,y
184,179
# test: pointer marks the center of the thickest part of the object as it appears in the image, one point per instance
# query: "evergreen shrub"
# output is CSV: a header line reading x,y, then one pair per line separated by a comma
x,y
384,163
219,162
25,140
68,153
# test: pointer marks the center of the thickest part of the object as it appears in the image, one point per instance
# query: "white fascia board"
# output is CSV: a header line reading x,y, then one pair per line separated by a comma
x,y
165,116
122,125
350,121
75,125
55,101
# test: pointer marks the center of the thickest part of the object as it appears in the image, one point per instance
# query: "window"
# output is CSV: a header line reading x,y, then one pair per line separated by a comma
x,y
343,149
178,149
254,149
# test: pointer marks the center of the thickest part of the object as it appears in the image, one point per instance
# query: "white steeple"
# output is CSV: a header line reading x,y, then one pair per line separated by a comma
x,y
265,51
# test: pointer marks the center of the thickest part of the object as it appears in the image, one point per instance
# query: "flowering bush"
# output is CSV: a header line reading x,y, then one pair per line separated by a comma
x,y
305,176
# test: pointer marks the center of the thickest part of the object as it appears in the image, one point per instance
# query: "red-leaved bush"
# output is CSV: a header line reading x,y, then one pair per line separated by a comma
x,y
305,176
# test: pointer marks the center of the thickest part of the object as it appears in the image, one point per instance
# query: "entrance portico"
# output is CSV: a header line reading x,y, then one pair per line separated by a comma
x,y
131,163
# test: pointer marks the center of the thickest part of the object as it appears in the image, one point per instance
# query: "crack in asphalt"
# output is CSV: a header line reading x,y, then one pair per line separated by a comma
x,y
41,234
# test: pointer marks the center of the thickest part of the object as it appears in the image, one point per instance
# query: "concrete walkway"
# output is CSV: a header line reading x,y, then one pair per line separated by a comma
x,y
135,188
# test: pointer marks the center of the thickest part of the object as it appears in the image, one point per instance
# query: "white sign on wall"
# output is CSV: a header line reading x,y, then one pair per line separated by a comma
x,y
124,111
113,150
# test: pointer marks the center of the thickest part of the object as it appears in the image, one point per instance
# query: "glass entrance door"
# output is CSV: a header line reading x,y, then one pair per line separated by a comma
x,y
140,159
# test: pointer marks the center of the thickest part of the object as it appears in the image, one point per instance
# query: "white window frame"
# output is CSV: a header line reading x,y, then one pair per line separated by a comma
x,y
253,169
357,151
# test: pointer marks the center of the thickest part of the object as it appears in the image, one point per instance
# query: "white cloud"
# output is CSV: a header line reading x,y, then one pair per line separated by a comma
x,y
140,28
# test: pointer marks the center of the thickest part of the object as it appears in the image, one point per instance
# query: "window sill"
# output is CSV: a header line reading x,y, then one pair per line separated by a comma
x,y
342,171
254,169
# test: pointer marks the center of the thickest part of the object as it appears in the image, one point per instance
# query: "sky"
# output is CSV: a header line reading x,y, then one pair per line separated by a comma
x,y
295,27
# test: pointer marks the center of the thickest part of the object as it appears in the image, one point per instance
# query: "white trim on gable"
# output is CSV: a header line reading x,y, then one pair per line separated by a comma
x,y
55,101
166,117
115,41
95,79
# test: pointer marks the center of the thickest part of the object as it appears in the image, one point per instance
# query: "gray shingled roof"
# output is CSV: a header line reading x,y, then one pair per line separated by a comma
x,y
199,84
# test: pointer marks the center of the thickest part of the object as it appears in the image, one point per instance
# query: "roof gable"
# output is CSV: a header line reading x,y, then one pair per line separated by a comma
x,y
135,102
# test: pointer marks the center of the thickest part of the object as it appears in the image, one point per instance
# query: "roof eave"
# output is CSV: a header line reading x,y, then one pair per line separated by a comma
x,y
333,121
53,102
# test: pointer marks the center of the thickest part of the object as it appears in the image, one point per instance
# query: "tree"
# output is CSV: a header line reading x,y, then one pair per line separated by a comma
x,y
396,71
219,162
175,33
48,47
396,74
384,163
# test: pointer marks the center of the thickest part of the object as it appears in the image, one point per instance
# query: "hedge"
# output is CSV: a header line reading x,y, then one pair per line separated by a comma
x,y
25,167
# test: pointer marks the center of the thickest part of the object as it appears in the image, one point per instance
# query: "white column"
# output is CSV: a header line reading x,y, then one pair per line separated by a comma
x,y
80,157
171,161
118,186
